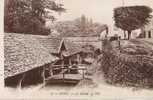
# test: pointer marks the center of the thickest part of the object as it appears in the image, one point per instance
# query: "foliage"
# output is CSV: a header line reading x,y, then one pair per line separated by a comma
x,y
126,68
132,17
28,16
81,26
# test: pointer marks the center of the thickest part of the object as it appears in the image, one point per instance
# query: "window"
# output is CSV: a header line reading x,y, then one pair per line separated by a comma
x,y
149,34
144,34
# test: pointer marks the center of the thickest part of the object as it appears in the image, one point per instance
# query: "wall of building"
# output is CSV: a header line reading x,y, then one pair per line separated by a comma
x,y
147,30
31,77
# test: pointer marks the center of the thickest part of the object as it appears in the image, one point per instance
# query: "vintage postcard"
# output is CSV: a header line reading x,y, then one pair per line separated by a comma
x,y
76,49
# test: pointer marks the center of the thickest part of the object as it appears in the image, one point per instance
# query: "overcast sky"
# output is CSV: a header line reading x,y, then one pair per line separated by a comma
x,y
99,10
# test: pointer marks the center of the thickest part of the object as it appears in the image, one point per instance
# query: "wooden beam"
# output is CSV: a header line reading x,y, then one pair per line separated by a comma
x,y
70,68
66,65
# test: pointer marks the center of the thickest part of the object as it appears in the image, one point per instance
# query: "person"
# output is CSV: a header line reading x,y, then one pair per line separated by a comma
x,y
74,69
69,69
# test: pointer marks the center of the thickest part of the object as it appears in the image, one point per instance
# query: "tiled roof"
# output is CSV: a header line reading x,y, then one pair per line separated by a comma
x,y
71,48
23,53
83,41
53,44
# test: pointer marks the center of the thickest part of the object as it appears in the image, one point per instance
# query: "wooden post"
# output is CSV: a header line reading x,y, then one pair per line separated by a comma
x,y
78,58
20,81
43,74
83,73
62,62
81,57
70,61
63,76
70,64
50,70
63,69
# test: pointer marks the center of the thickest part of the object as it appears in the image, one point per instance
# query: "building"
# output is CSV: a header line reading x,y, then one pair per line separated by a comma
x,y
147,30
30,59
72,53
25,60
89,47
68,52
52,44
94,41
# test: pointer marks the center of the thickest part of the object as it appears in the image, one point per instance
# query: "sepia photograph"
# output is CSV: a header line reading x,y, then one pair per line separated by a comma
x,y
78,48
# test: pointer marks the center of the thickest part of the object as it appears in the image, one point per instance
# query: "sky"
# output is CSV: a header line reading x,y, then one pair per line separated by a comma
x,y
99,10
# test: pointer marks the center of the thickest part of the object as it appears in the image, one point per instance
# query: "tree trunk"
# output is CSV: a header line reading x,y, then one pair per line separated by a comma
x,y
129,35
124,34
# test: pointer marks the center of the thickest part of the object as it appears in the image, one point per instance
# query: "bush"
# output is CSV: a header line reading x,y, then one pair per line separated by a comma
x,y
126,69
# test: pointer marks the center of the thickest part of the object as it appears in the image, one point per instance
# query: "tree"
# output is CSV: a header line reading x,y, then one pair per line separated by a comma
x,y
131,17
29,16
79,27
83,23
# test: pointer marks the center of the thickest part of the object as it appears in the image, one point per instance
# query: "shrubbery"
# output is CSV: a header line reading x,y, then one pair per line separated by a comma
x,y
126,69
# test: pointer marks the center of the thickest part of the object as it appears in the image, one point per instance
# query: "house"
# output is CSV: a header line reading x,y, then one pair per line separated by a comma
x,y
87,47
30,59
147,30
94,41
67,51
72,53
68,48
25,60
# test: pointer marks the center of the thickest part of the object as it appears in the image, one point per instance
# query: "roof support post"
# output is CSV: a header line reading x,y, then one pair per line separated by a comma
x,y
43,74
70,64
78,58
63,69
20,81
83,75
51,70
70,61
